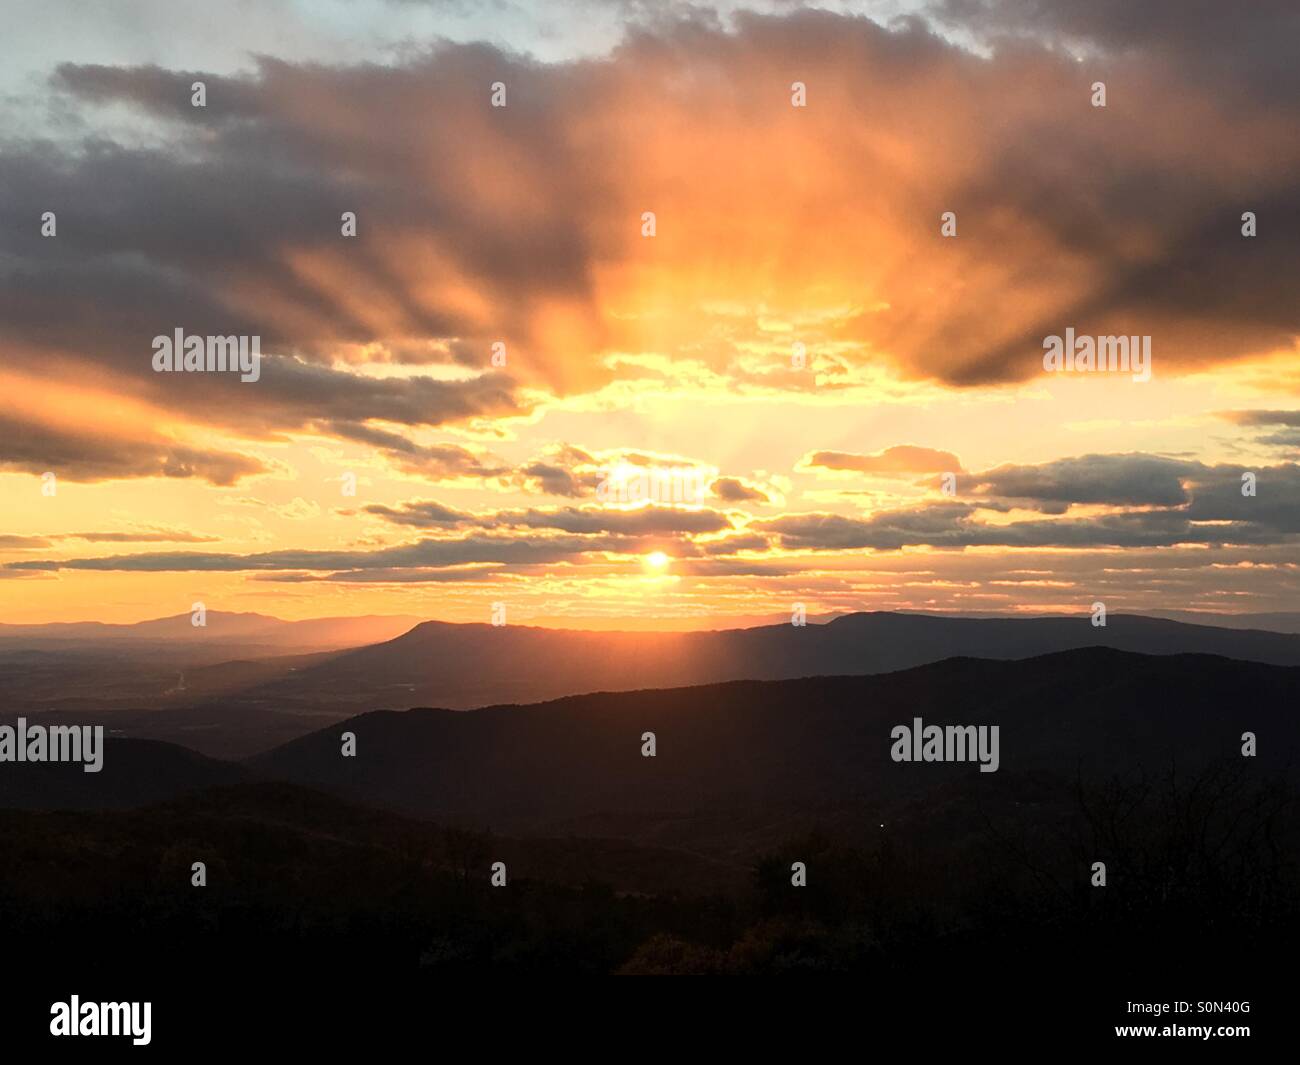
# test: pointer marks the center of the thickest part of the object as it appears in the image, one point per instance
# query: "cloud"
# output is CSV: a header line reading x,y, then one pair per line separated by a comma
x,y
734,490
640,521
1116,480
12,542
421,513
904,458
1264,417
1286,437
142,536
1247,46
572,472
82,454
434,462
550,479
1155,502
423,554
1181,503
226,219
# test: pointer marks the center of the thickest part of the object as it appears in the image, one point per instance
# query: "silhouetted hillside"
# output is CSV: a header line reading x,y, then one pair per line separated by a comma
x,y
750,757
134,772
219,627
233,709
462,666
145,677
310,900
918,875
166,662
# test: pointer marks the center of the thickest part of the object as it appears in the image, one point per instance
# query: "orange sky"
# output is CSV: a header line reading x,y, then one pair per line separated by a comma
x,y
797,337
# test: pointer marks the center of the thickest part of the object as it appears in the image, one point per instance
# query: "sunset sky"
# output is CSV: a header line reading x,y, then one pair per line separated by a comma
x,y
778,230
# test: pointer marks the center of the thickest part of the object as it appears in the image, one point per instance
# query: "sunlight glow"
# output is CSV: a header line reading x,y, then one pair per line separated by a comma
x,y
657,561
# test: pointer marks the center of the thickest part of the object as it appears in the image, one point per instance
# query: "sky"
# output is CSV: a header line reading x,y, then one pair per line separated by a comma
x,y
730,309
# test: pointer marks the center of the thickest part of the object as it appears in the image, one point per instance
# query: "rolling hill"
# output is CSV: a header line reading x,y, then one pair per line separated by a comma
x,y
752,757
463,666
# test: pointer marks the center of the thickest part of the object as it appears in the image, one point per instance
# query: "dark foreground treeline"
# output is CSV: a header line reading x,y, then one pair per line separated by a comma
x,y
1200,870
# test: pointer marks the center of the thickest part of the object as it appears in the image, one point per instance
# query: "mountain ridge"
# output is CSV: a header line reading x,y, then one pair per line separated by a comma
x,y
782,748
464,666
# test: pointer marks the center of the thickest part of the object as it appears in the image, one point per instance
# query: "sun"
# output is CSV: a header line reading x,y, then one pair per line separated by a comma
x,y
657,561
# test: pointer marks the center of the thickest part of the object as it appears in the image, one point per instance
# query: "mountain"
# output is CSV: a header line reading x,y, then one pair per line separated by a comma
x,y
745,761
739,759
134,773
215,729
683,862
166,662
462,666
1283,621
236,708
256,632
218,822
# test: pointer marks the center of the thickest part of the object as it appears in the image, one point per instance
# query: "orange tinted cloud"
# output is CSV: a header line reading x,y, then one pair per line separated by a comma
x,y
904,458
523,223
